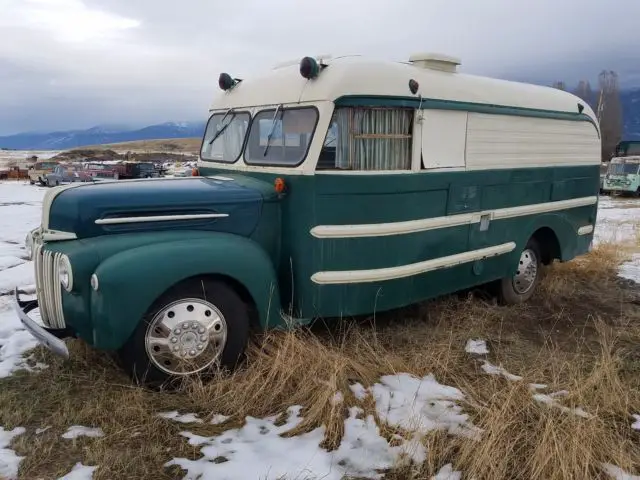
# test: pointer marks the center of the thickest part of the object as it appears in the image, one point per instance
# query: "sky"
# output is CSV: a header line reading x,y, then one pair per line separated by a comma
x,y
68,64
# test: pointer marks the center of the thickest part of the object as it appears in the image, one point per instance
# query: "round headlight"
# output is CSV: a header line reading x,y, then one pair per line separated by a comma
x,y
94,282
65,273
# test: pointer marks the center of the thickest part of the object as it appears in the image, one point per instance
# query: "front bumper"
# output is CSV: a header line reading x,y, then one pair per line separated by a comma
x,y
50,338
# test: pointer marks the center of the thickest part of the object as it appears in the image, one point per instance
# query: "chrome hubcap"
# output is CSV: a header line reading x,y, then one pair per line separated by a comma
x,y
186,336
527,272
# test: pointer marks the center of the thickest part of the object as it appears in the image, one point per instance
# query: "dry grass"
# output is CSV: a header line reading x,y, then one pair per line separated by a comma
x,y
168,145
580,333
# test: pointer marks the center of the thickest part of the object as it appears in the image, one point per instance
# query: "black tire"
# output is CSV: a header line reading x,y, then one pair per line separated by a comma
x,y
511,291
135,359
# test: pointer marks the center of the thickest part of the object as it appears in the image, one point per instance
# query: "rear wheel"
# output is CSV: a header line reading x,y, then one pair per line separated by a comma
x,y
520,287
191,330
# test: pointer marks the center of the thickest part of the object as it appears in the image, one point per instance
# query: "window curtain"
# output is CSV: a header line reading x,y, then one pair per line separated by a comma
x,y
373,139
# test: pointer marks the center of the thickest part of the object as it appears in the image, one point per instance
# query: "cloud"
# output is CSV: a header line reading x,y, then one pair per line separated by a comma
x,y
75,63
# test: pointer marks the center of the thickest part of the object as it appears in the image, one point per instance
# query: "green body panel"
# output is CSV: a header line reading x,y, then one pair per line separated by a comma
x,y
334,199
134,270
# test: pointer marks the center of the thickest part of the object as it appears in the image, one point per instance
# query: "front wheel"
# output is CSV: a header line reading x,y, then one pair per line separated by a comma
x,y
190,330
520,287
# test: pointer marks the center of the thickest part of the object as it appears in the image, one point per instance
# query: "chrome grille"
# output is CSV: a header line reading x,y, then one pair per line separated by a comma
x,y
48,287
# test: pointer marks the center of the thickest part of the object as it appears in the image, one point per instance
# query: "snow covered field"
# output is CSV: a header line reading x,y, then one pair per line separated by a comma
x,y
413,406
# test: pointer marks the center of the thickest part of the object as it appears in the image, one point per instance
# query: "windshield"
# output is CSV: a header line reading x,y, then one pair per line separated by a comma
x,y
623,168
228,131
282,139
44,165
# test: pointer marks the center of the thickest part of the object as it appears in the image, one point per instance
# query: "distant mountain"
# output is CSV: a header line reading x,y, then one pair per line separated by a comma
x,y
99,135
630,100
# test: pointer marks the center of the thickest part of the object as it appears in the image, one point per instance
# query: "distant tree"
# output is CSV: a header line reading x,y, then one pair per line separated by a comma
x,y
583,90
607,105
609,111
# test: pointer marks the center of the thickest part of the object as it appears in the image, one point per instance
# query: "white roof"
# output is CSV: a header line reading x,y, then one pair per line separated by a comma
x,y
355,75
629,159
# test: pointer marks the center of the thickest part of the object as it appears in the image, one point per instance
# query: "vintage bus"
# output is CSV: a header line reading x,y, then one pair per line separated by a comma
x,y
325,188
623,174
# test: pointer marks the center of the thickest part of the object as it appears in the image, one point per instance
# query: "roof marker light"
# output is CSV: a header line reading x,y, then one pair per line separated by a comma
x,y
227,82
413,86
310,68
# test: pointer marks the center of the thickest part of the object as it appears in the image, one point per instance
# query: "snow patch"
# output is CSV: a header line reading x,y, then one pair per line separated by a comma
x,y
79,472
631,270
258,449
617,473
552,402
184,418
636,424
337,398
218,419
359,391
15,341
9,461
494,370
76,431
420,405
447,473
478,347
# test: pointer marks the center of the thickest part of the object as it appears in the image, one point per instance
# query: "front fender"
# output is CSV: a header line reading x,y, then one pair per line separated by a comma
x,y
130,281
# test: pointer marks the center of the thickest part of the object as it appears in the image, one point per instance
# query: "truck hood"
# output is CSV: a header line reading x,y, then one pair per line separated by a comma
x,y
231,204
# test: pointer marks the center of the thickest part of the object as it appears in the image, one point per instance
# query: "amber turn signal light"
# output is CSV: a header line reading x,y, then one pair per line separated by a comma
x,y
279,185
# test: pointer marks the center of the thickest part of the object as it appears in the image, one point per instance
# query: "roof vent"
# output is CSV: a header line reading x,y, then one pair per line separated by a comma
x,y
435,61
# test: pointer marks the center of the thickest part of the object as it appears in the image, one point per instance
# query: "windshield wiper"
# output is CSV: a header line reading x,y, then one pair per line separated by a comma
x,y
273,127
223,128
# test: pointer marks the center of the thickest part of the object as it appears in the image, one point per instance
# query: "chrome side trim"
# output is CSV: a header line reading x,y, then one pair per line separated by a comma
x,y
158,218
402,271
426,224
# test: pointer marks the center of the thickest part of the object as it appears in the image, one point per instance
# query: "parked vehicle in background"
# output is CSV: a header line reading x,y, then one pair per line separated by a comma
x,y
604,167
628,148
38,172
101,171
130,170
623,176
623,173
14,173
328,189
63,174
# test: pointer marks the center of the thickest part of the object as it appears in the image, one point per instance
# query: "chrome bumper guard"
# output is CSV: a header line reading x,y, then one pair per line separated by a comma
x,y
49,337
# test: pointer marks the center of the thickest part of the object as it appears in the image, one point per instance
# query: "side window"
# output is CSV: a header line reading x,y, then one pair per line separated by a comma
x,y
368,139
